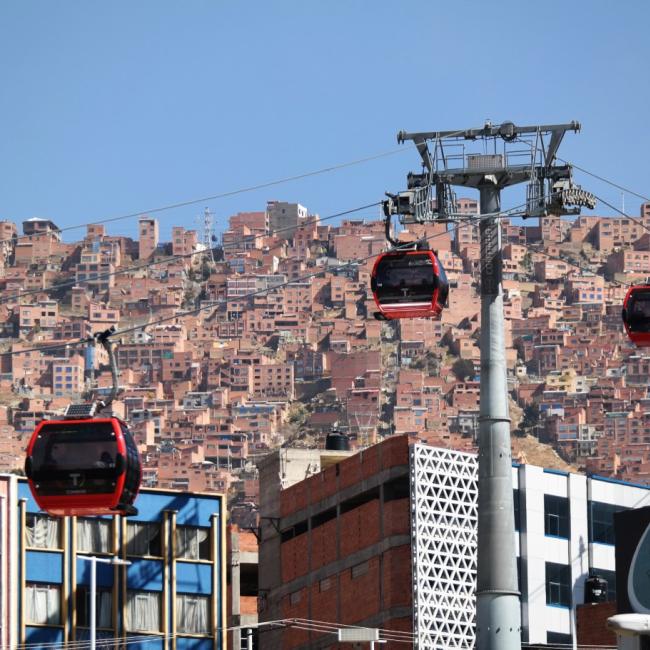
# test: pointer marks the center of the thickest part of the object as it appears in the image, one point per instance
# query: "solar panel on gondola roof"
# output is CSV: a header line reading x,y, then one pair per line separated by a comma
x,y
81,410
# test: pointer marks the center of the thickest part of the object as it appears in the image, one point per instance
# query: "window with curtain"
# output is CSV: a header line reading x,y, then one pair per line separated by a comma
x,y
143,610
94,535
42,604
143,538
42,531
193,543
192,614
103,607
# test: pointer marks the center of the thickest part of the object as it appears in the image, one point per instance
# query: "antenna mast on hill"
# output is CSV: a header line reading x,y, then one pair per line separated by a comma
x,y
208,235
500,162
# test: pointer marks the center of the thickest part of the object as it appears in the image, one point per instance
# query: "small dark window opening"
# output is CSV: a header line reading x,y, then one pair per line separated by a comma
x,y
359,500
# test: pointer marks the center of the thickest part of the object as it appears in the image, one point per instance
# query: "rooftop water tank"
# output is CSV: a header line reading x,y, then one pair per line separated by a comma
x,y
595,589
337,441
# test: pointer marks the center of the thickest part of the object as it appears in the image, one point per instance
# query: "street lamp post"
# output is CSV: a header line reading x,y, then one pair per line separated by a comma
x,y
115,561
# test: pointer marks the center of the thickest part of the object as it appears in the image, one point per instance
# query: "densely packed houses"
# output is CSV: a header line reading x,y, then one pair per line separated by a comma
x,y
269,339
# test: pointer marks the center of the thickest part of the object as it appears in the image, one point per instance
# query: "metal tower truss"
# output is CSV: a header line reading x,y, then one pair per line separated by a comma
x,y
513,154
444,496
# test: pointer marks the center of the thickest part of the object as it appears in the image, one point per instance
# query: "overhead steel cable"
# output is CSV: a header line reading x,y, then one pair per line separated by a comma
x,y
175,258
216,304
605,180
472,220
223,195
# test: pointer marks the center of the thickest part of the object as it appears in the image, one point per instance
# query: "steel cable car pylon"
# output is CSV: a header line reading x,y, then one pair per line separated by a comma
x,y
498,622
85,465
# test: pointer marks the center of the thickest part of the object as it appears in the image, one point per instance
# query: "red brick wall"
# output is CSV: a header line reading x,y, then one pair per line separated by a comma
x,y
360,595
380,583
591,624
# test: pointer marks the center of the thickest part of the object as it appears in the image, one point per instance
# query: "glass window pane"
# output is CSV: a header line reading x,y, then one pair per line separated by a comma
x,y
143,611
143,538
556,516
558,584
103,607
43,604
193,543
42,531
94,536
192,614
601,516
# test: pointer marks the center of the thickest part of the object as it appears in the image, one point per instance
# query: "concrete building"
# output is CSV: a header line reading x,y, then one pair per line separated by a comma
x,y
171,596
283,218
387,538
148,240
243,561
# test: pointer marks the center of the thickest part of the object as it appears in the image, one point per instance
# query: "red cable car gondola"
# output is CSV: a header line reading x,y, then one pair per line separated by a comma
x,y
636,314
83,466
409,284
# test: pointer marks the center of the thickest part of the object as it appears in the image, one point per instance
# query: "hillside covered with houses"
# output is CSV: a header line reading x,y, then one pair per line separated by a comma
x,y
269,339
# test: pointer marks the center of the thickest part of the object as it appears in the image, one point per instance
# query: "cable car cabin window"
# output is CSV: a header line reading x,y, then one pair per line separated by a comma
x,y
75,458
94,535
193,543
406,280
42,531
638,312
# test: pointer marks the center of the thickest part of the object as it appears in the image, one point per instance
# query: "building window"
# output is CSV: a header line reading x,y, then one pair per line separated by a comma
x,y
359,569
556,516
42,604
193,543
192,614
103,607
558,639
601,522
143,539
295,597
517,511
93,536
558,584
143,611
42,531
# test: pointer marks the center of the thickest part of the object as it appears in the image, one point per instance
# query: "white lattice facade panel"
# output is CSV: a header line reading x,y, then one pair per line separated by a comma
x,y
444,490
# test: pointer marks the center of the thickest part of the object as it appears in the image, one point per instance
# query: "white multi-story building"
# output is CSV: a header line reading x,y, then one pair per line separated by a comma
x,y
564,530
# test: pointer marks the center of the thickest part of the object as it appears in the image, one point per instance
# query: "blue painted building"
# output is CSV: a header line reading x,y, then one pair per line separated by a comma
x,y
171,595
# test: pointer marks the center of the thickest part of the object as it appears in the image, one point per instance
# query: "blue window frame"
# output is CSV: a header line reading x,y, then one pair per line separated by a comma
x,y
558,584
556,516
601,522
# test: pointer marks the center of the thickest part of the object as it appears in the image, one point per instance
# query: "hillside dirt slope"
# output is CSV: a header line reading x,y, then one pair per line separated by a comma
x,y
529,450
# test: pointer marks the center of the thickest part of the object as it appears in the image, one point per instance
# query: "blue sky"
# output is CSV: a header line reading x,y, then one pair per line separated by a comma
x,y
109,108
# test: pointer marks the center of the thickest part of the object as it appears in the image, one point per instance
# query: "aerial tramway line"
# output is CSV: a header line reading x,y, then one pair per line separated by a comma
x,y
85,464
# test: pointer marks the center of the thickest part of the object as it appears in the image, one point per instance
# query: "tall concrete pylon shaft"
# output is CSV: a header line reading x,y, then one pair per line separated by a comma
x,y
498,616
